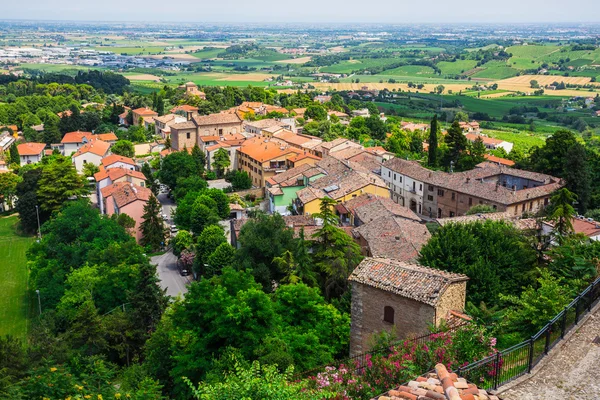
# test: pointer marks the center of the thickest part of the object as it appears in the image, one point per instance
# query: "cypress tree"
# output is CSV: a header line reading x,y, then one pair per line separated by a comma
x,y
153,231
433,144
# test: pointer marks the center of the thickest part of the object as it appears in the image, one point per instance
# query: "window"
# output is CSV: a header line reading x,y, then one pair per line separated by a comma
x,y
388,314
187,134
395,177
429,198
414,186
220,132
453,196
430,188
470,201
523,208
389,174
420,186
451,214
400,179
439,213
440,193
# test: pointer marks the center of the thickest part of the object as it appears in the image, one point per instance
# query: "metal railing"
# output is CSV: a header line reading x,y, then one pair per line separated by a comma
x,y
507,365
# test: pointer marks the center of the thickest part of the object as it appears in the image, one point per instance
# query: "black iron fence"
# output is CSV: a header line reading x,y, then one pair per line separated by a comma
x,y
357,362
507,365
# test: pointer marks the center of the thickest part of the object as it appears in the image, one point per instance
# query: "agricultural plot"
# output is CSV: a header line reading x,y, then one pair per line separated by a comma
x,y
457,67
495,70
347,66
411,70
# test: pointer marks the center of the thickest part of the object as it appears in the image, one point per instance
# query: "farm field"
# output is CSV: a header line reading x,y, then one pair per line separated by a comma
x,y
457,67
495,70
14,302
410,70
347,66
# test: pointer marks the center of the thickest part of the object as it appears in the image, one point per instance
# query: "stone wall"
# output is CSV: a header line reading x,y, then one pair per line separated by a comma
x,y
181,138
411,318
452,299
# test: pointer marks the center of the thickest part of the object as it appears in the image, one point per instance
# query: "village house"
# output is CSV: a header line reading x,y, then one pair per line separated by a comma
x,y
73,141
123,116
187,134
282,188
162,125
257,127
441,194
490,143
366,208
498,160
184,110
30,153
340,186
6,140
263,158
401,297
322,99
113,174
143,116
411,126
192,89
335,145
90,153
117,161
126,198
470,127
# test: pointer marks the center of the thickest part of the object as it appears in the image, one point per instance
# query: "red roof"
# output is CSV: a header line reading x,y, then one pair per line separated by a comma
x,y
76,137
145,111
184,107
30,149
499,160
115,158
97,147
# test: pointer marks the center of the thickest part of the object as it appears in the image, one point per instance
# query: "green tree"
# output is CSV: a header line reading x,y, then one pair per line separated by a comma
x,y
175,166
376,127
151,181
59,183
208,241
551,158
240,180
493,254
221,258
577,175
90,169
199,157
8,187
433,144
203,213
480,209
182,241
537,305
14,154
336,253
27,200
316,112
457,142
123,148
221,162
125,221
152,226
561,212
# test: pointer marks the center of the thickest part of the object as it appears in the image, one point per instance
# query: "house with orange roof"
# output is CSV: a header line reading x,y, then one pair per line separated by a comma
x,y
262,158
123,116
73,141
499,160
145,114
92,152
490,143
126,198
117,161
30,153
6,140
184,110
107,176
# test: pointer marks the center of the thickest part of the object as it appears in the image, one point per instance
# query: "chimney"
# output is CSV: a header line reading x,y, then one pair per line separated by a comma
x,y
468,179
189,115
514,188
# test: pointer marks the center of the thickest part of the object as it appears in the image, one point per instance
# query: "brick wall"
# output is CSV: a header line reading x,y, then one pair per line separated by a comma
x,y
411,318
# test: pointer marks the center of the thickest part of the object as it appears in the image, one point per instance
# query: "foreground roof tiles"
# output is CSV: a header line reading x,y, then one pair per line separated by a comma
x,y
409,280
115,158
439,385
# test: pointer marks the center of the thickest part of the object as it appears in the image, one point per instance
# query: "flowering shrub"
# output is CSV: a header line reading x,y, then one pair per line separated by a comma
x,y
381,372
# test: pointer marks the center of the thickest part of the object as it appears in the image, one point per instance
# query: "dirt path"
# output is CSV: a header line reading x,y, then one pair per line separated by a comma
x,y
570,373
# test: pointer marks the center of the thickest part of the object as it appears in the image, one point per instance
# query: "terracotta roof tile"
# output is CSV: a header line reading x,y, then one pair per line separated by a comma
x,y
264,150
115,158
76,137
214,119
30,149
125,193
98,147
145,112
409,280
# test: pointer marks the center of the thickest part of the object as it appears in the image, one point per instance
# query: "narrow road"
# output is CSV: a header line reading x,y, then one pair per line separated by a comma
x,y
170,278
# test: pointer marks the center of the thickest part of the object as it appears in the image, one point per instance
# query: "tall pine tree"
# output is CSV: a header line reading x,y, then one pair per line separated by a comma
x,y
457,142
153,231
577,175
433,144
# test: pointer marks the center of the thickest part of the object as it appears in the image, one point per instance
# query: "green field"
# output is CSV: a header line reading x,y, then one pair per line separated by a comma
x,y
411,70
347,66
14,304
457,67
496,70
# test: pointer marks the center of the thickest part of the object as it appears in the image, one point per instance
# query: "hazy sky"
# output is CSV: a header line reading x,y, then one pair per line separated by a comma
x,y
389,11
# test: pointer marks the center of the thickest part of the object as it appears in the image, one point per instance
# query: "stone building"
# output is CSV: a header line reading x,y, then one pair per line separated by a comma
x,y
188,133
390,294
437,194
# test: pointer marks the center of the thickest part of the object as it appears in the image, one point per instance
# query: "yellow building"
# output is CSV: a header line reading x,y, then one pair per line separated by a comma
x,y
341,187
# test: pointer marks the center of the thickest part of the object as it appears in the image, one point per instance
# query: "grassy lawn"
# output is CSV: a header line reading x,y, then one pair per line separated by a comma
x,y
14,304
